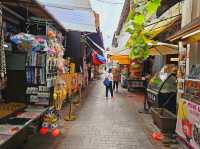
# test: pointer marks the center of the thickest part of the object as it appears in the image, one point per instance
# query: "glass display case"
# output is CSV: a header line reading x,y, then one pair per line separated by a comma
x,y
161,91
163,82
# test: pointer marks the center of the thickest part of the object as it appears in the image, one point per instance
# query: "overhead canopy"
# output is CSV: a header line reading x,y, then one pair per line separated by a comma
x,y
74,15
163,49
121,59
189,32
95,46
158,48
164,21
192,37
97,39
165,5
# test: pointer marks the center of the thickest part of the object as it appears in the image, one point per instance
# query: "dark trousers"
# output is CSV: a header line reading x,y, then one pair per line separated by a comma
x,y
115,84
109,88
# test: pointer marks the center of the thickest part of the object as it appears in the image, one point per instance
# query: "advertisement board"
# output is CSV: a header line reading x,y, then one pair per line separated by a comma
x,y
188,122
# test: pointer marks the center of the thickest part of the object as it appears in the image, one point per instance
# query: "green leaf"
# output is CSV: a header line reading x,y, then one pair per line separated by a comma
x,y
152,7
139,19
131,15
138,42
135,1
130,30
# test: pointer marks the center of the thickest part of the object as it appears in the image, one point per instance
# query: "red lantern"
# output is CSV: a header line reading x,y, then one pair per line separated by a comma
x,y
55,132
43,131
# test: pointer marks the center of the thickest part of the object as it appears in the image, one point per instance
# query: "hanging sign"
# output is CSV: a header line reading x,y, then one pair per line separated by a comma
x,y
188,123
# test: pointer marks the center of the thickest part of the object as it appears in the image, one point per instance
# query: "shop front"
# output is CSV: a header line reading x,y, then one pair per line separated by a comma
x,y
187,126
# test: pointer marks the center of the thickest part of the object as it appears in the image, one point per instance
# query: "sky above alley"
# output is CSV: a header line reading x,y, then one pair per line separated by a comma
x,y
110,11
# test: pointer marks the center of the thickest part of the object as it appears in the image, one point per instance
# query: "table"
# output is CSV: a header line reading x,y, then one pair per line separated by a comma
x,y
13,135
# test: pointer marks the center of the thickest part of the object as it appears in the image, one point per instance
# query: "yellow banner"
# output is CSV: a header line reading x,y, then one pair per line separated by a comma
x,y
121,59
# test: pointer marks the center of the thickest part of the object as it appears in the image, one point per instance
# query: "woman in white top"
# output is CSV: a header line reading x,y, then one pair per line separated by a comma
x,y
109,76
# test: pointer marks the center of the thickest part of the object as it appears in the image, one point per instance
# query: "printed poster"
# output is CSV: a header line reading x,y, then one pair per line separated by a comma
x,y
188,122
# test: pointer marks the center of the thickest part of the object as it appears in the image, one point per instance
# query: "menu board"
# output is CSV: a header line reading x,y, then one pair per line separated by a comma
x,y
188,123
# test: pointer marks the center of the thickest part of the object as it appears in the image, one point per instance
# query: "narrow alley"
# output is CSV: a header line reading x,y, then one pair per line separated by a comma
x,y
99,74
101,124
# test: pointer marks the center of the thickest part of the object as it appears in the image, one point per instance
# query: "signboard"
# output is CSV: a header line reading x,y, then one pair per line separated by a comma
x,y
188,123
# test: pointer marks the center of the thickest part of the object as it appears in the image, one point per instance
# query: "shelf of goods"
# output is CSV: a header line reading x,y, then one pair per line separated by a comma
x,y
135,79
41,72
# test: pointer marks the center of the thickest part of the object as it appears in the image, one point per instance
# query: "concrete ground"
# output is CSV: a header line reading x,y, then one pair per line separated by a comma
x,y
103,124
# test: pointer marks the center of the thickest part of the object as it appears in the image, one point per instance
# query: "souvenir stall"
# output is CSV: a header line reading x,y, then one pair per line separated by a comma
x,y
30,95
188,120
14,116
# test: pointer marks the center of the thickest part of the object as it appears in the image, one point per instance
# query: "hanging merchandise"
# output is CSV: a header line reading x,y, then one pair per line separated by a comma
x,y
24,42
72,67
50,122
59,93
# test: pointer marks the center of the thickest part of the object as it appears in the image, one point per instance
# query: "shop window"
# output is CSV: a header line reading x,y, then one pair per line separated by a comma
x,y
194,61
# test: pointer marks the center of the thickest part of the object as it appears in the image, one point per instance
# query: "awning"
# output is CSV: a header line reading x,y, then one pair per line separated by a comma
x,y
76,15
163,25
96,39
189,32
165,5
158,48
121,59
192,37
163,49
94,45
171,16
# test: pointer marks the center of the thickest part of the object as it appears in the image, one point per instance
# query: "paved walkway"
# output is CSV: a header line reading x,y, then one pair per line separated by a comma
x,y
101,124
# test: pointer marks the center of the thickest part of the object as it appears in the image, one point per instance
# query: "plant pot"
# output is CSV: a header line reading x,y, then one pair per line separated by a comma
x,y
164,119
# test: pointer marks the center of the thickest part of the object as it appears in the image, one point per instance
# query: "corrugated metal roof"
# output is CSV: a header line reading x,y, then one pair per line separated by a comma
x,y
74,15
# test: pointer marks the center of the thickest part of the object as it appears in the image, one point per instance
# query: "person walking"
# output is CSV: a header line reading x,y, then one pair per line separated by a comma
x,y
116,78
108,82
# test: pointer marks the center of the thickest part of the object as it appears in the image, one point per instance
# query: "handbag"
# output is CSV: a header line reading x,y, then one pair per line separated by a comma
x,y
106,82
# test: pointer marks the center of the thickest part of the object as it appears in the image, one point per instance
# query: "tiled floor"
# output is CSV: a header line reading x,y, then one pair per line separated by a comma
x,y
101,124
